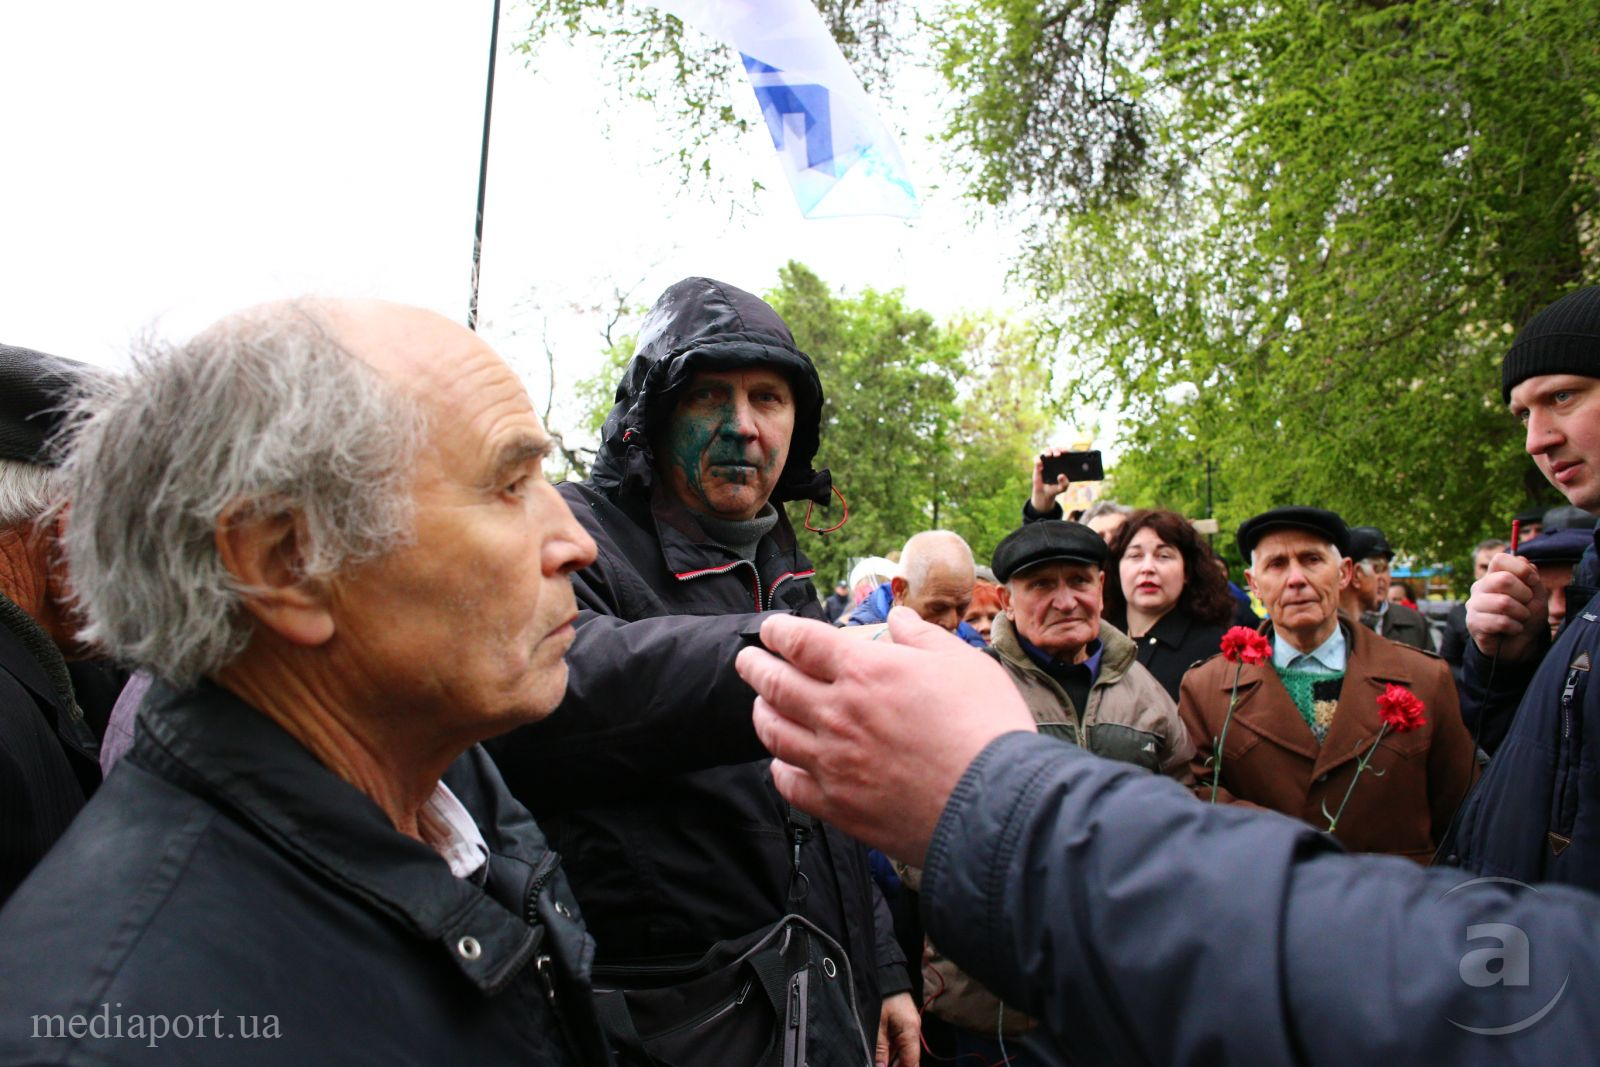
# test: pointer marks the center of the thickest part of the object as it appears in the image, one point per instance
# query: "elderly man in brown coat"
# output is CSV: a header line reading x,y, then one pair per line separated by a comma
x,y
1303,721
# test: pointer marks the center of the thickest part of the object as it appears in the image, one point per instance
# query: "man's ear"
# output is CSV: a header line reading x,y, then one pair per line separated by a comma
x,y
897,589
1347,573
1005,599
1250,582
263,553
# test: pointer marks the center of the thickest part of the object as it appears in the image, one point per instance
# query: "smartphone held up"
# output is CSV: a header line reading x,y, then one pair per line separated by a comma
x,y
1077,466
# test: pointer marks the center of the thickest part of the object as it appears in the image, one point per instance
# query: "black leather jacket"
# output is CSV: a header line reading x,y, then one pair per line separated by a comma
x,y
222,871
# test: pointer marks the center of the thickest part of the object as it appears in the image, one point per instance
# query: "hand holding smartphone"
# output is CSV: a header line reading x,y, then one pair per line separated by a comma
x,y
1077,466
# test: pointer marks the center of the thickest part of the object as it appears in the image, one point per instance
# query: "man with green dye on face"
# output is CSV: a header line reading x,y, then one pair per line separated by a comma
x,y
649,779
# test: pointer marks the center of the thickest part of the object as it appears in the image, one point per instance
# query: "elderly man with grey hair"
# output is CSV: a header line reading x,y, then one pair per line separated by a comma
x,y
936,577
325,529
52,700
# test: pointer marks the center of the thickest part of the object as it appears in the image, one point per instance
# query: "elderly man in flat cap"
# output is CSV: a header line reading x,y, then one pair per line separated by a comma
x,y
1082,681
325,528
1302,720
1367,596
52,701
1555,555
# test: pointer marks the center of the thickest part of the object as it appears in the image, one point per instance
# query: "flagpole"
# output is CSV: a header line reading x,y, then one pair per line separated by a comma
x,y
483,168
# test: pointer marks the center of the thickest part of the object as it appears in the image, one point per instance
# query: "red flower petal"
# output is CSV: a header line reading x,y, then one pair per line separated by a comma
x,y
1401,709
1242,645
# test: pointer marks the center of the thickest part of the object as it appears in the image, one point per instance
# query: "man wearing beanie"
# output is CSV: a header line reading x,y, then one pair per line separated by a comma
x,y
48,747
1536,814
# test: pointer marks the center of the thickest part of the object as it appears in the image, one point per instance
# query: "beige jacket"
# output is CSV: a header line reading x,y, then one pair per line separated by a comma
x,y
1129,718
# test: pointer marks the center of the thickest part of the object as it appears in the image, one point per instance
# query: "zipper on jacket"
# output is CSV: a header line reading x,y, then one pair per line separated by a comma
x,y
755,576
542,874
1564,802
772,594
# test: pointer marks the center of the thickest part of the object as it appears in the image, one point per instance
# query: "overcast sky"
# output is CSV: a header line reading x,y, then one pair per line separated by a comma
x,y
169,161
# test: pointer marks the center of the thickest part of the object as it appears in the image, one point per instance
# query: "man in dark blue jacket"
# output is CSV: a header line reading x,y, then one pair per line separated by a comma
x,y
1139,926
1535,815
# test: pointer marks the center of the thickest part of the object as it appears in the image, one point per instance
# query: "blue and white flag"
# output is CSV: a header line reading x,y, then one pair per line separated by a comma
x,y
839,157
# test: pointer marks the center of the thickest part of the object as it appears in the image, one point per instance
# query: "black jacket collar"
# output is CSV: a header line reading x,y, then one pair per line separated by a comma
x,y
212,743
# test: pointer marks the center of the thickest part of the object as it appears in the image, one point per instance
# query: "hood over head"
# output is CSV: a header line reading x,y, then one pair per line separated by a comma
x,y
701,324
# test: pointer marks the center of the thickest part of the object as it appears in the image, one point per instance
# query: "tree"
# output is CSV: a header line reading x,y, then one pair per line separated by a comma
x,y
1004,399
1289,237
888,375
1374,197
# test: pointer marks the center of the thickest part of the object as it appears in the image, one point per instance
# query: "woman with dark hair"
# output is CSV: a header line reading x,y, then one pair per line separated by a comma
x,y
1165,590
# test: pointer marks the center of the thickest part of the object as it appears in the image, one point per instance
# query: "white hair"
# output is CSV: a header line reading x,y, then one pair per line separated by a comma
x,y
27,491
926,550
1104,507
264,411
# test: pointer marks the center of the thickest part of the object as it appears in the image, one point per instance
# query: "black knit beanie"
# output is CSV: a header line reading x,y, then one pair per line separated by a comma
x,y
1564,338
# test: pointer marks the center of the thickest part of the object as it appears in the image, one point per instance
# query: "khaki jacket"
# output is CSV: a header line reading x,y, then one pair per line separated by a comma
x,y
1272,760
1129,718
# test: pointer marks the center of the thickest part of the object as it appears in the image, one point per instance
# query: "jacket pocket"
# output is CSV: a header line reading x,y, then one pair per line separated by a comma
x,y
1126,744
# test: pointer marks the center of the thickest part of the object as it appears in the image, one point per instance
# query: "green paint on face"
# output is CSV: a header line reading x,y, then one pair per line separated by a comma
x,y
706,452
689,438
702,444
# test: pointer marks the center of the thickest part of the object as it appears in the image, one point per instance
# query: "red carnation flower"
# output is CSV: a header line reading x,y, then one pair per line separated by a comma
x,y
1400,709
1243,645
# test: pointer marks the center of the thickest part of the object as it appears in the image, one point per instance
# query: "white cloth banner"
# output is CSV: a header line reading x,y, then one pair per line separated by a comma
x,y
839,157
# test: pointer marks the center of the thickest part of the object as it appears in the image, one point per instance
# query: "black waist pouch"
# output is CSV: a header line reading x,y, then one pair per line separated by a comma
x,y
779,997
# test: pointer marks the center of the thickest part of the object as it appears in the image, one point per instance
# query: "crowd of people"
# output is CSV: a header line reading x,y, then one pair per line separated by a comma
x,y
331,729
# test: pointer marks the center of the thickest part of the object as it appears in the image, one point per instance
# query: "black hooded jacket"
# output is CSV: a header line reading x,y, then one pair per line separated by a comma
x,y
648,778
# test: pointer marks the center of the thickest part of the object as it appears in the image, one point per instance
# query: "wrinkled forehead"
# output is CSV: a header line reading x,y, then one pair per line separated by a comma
x,y
1289,541
1052,572
949,575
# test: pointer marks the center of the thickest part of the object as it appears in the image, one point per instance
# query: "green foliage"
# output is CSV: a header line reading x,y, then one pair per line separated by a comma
x,y
1374,196
1004,421
888,375
1050,109
1291,238
925,426
597,393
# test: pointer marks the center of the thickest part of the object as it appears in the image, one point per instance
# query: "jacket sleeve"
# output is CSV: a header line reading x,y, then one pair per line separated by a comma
x,y
1177,755
1490,692
1030,515
1425,633
649,697
1453,646
1452,757
1140,927
893,970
